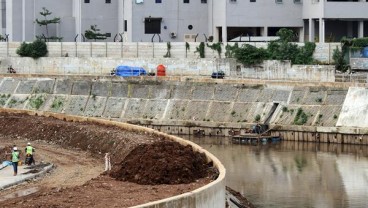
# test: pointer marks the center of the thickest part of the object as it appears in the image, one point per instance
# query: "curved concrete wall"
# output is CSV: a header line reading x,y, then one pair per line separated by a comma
x,y
211,195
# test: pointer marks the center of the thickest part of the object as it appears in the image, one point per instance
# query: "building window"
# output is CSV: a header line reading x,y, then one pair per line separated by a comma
x,y
86,1
297,1
158,1
252,0
204,1
186,1
278,1
232,1
125,25
152,25
108,1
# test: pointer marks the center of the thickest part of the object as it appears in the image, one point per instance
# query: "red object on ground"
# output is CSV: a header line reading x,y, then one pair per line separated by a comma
x,y
161,70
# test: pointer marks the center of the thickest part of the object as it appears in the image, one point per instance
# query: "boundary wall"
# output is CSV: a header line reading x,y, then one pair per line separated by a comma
x,y
270,70
210,195
323,52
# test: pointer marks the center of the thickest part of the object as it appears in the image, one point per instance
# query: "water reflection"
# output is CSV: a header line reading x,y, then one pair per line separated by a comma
x,y
290,174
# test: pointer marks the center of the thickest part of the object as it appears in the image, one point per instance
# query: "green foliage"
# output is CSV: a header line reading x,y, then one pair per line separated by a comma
x,y
168,54
319,100
12,102
2,38
94,97
187,46
319,118
230,50
45,22
57,104
357,42
216,47
286,35
200,50
335,116
210,38
305,54
339,60
250,55
281,49
36,102
257,118
301,117
233,113
94,33
36,49
284,109
3,99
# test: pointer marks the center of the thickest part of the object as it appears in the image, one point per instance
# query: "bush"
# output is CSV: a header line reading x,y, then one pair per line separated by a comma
x,y
250,55
36,49
282,49
339,60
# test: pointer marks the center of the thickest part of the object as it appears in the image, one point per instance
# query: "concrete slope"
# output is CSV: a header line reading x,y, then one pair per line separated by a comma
x,y
354,112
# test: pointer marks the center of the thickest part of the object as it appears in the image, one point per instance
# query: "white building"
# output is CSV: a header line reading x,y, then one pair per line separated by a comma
x,y
186,20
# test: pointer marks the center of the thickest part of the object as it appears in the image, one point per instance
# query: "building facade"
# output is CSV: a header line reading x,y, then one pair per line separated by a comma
x,y
185,20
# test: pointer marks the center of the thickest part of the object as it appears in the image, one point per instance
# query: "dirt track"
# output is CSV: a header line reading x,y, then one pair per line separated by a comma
x,y
76,180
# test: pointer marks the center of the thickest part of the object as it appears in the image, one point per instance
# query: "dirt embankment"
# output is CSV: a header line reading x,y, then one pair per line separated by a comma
x,y
77,150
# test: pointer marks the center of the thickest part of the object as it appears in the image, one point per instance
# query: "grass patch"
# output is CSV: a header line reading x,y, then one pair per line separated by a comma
x,y
36,102
301,117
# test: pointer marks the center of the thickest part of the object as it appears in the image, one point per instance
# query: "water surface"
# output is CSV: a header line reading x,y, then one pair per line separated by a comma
x,y
291,174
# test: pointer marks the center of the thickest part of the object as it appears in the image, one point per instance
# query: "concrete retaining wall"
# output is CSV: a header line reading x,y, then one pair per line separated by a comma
x,y
211,195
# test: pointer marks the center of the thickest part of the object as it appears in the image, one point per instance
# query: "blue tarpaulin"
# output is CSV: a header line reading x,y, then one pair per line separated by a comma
x,y
129,71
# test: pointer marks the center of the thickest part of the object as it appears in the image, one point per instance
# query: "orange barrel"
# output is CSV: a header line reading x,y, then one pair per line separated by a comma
x,y
161,70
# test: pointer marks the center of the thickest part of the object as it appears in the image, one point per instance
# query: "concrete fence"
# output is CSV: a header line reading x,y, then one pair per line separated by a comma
x,y
323,52
269,70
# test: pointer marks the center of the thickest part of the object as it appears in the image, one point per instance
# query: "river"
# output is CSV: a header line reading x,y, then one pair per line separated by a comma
x,y
292,174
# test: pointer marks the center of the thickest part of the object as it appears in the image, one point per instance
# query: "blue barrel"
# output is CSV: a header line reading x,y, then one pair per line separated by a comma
x,y
365,52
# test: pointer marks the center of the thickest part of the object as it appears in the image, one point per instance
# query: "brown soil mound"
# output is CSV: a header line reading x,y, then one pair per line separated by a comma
x,y
164,162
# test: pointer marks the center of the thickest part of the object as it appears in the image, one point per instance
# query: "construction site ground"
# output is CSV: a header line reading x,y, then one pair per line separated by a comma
x,y
78,178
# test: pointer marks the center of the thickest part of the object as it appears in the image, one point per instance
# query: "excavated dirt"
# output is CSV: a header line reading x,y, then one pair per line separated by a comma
x,y
77,150
157,166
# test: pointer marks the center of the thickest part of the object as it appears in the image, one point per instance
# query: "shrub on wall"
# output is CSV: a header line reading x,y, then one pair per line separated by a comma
x,y
216,47
200,50
36,49
339,60
281,49
250,55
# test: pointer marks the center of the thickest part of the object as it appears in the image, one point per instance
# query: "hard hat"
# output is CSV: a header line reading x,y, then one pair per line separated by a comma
x,y
15,148
28,143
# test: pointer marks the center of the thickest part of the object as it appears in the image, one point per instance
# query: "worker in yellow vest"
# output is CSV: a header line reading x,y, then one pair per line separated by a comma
x,y
29,154
15,160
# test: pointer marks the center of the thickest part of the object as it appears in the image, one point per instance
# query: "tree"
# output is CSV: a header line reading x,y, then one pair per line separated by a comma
x,y
45,13
94,33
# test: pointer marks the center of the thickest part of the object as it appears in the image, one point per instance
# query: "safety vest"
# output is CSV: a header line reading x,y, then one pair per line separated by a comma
x,y
15,156
29,150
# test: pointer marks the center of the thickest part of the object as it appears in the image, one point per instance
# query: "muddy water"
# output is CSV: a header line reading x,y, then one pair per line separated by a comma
x,y
290,174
